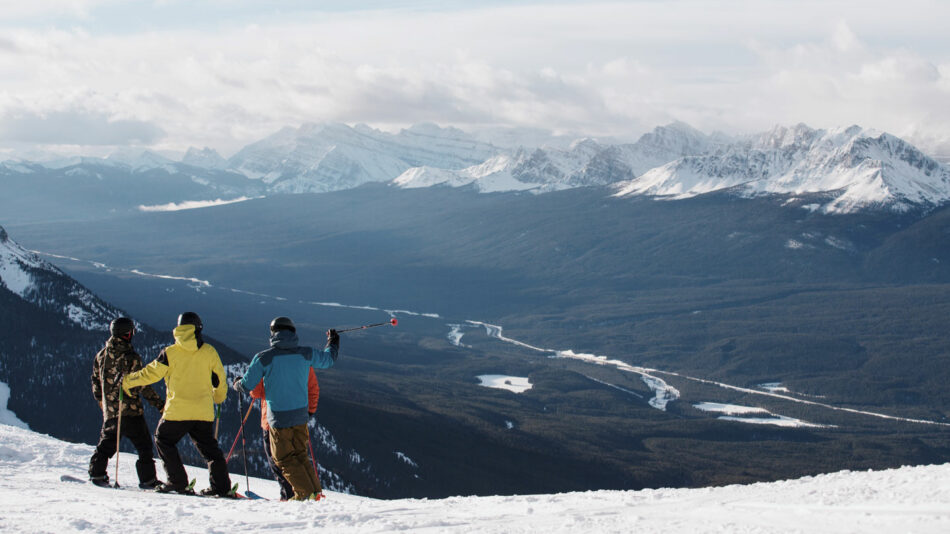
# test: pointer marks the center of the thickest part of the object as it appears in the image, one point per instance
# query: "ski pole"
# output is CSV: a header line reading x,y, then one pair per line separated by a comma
x,y
217,419
118,437
392,321
240,431
247,480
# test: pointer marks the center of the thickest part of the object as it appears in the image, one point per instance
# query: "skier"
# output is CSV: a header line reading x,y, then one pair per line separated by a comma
x,y
114,361
313,395
195,381
285,370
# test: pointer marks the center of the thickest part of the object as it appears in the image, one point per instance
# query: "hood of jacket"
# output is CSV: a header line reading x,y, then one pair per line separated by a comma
x,y
284,339
117,345
187,338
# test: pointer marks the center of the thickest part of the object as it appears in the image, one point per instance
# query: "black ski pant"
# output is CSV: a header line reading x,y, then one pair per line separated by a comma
x,y
135,429
167,436
286,490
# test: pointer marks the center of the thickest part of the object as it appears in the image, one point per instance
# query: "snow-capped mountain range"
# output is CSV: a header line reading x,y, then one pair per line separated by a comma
x,y
853,167
863,168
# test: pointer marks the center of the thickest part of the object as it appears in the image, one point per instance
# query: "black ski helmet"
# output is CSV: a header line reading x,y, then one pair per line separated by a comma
x,y
190,318
122,327
282,323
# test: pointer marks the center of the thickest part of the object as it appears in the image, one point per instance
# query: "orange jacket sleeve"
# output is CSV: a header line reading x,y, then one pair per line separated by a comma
x,y
258,391
313,391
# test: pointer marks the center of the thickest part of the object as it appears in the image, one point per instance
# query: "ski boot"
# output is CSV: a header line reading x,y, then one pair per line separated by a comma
x,y
151,484
165,487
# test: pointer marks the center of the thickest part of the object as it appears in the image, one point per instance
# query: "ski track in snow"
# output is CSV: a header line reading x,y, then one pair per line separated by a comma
x,y
664,393
34,500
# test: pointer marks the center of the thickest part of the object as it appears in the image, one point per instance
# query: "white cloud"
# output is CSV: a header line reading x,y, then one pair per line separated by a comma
x,y
600,68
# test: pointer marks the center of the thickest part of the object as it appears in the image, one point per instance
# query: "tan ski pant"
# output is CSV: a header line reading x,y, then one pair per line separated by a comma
x,y
290,447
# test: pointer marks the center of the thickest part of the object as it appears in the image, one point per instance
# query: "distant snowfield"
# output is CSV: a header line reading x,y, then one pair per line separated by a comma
x,y
760,416
32,499
515,384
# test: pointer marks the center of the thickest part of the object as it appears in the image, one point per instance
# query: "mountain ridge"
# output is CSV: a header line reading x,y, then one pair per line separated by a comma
x,y
861,168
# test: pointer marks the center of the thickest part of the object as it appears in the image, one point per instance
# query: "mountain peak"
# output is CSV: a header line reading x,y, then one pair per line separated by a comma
x,y
785,137
207,158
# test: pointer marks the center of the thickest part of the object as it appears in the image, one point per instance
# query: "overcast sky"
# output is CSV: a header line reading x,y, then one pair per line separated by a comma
x,y
88,75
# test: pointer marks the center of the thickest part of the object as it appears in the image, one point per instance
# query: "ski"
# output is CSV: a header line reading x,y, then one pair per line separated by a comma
x,y
188,491
76,480
253,496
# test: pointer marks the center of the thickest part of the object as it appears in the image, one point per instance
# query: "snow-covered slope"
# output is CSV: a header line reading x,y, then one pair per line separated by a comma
x,y
862,168
40,283
33,499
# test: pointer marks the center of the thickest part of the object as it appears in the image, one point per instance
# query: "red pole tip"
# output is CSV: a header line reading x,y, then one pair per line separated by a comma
x,y
393,321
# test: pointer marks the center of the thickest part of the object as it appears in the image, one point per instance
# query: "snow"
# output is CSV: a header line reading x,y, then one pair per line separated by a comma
x,y
455,335
663,393
777,420
191,204
7,417
515,384
402,456
32,499
729,409
774,387
13,276
864,168
14,265
761,415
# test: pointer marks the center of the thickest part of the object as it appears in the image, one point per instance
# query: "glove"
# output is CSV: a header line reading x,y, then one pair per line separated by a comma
x,y
127,390
332,337
238,386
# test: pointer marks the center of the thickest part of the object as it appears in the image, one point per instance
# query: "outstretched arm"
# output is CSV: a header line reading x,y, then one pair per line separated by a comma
x,y
323,359
150,374
149,394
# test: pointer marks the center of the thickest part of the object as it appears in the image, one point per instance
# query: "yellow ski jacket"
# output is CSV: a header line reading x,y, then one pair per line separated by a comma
x,y
194,377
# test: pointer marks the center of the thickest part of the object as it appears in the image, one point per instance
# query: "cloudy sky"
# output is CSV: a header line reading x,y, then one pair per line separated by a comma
x,y
90,75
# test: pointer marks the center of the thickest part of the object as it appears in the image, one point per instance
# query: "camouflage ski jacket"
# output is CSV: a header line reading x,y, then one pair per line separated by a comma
x,y
113,362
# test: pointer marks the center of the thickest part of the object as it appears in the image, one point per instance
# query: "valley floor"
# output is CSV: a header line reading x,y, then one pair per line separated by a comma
x,y
33,499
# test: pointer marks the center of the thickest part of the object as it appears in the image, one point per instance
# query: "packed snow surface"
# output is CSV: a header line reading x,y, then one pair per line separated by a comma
x,y
33,499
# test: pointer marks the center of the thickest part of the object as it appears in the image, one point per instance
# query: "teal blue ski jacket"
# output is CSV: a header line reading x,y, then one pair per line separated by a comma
x,y
285,369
